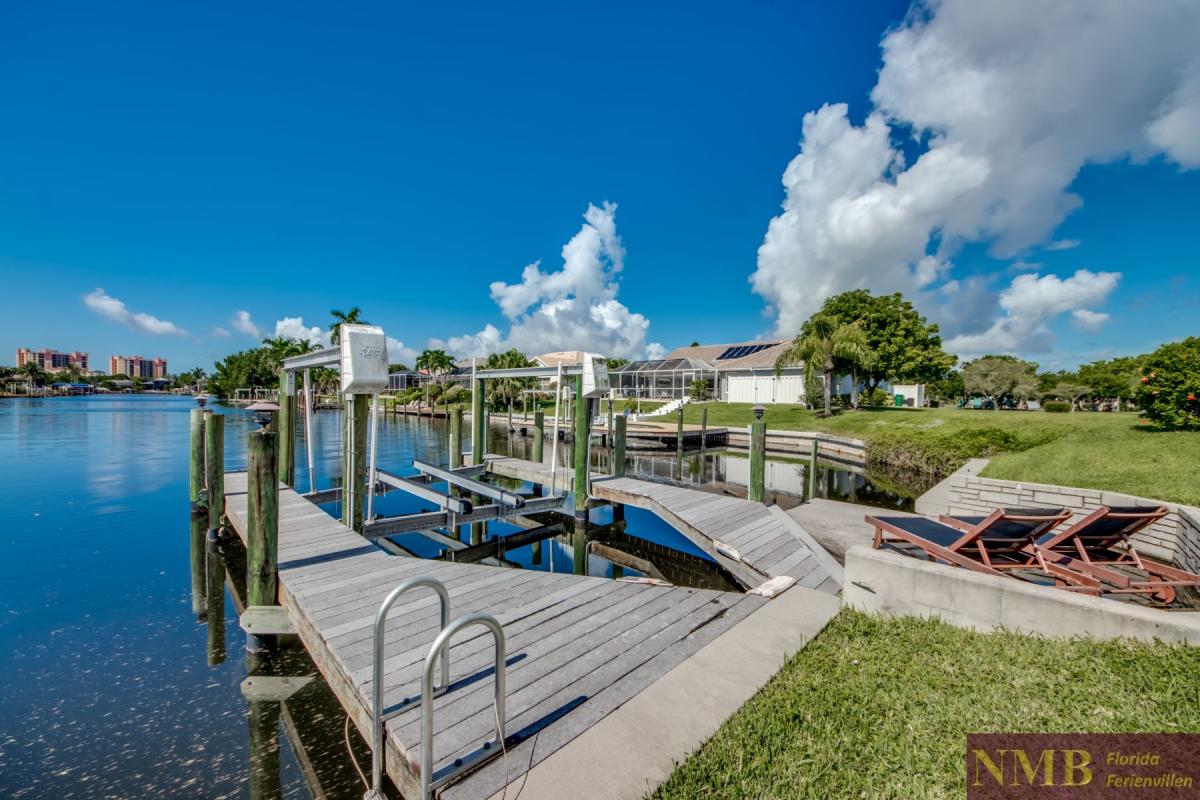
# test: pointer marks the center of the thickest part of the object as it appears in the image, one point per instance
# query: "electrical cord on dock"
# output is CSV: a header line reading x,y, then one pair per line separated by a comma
x,y
353,759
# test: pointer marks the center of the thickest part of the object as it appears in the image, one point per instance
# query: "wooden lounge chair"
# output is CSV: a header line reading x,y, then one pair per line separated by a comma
x,y
999,542
1099,546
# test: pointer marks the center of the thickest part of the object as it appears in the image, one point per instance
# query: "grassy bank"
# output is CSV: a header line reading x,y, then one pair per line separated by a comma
x,y
1099,451
882,709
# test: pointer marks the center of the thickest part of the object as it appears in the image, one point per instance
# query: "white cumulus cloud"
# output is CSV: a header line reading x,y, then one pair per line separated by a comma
x,y
983,114
573,308
111,308
243,323
294,328
219,333
1030,303
1089,320
399,353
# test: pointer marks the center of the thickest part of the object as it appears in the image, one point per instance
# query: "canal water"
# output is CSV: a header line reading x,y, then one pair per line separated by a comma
x,y
114,687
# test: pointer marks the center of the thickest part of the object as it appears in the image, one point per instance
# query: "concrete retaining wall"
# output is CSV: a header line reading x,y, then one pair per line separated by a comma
x,y
1175,538
882,582
799,443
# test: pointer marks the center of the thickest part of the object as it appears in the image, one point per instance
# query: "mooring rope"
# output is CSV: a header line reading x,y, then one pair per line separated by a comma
x,y
353,759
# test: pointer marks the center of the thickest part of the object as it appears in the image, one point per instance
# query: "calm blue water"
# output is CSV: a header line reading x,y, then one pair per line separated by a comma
x,y
106,687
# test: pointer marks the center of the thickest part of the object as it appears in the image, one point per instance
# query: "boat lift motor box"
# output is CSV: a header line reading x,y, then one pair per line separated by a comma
x,y
364,359
595,375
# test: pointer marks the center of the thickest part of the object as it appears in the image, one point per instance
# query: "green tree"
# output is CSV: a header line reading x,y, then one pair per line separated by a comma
x,y
617,363
397,368
823,339
948,388
33,374
255,368
503,392
351,317
1000,377
1169,389
437,363
1114,379
905,347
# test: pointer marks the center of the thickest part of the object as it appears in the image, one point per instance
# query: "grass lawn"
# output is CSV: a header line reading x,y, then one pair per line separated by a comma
x,y
1093,450
881,709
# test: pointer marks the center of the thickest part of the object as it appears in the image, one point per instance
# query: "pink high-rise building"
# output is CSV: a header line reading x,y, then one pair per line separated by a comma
x,y
137,367
52,360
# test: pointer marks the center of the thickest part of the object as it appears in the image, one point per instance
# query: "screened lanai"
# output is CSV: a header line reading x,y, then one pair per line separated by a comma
x,y
663,379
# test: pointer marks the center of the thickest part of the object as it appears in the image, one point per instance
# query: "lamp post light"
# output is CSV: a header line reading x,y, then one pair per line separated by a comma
x,y
202,400
263,412
758,411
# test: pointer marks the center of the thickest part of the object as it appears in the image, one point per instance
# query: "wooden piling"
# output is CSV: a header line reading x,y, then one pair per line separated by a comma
x,y
539,440
814,451
354,462
456,419
214,459
196,473
610,422
262,523
679,432
263,719
703,426
478,431
618,461
618,457
287,427
196,539
758,462
215,594
580,447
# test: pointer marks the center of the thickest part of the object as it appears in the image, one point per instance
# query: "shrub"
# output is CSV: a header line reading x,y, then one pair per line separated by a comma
x,y
877,397
1170,386
1056,406
937,455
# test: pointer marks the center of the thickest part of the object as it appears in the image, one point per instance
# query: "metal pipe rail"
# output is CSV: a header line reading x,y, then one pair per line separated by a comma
x,y
455,505
328,357
410,523
377,719
443,642
456,478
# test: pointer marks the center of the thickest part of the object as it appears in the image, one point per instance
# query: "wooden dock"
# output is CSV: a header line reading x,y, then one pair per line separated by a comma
x,y
752,541
578,647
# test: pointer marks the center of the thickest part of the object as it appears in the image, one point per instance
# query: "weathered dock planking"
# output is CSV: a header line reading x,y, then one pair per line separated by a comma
x,y
752,541
578,647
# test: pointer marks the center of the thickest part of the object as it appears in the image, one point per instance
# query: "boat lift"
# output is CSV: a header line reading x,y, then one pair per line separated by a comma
x,y
361,359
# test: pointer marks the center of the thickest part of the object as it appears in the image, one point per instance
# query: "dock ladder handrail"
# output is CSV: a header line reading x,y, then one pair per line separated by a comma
x,y
442,645
377,720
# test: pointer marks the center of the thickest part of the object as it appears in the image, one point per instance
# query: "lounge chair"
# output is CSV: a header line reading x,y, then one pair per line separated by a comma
x,y
1099,546
999,542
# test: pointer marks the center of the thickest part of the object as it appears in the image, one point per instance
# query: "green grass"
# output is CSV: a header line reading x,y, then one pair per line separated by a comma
x,y
1092,450
881,709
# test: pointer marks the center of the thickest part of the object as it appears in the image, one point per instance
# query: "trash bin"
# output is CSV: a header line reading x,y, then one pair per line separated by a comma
x,y
899,401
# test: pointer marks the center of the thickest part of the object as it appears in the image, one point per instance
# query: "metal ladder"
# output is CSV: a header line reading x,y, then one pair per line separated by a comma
x,y
440,646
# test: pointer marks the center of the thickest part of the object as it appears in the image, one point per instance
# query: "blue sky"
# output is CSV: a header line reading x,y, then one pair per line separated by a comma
x,y
287,159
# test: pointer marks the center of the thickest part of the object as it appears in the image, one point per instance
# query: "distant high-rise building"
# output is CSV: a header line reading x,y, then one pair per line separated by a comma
x,y
52,360
137,367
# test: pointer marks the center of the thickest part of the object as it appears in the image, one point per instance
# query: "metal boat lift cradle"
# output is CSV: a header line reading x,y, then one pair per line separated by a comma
x,y
439,648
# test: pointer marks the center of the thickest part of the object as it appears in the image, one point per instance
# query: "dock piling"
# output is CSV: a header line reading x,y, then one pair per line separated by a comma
x,y
354,464
618,461
196,473
758,457
262,528
478,429
679,433
214,481
539,439
814,450
583,431
456,420
287,427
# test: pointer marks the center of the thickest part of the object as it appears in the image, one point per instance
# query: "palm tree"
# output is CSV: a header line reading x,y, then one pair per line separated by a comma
x,y
504,391
351,317
34,375
822,340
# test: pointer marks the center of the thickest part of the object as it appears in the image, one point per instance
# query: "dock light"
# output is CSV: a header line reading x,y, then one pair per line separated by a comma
x,y
758,411
262,412
201,400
